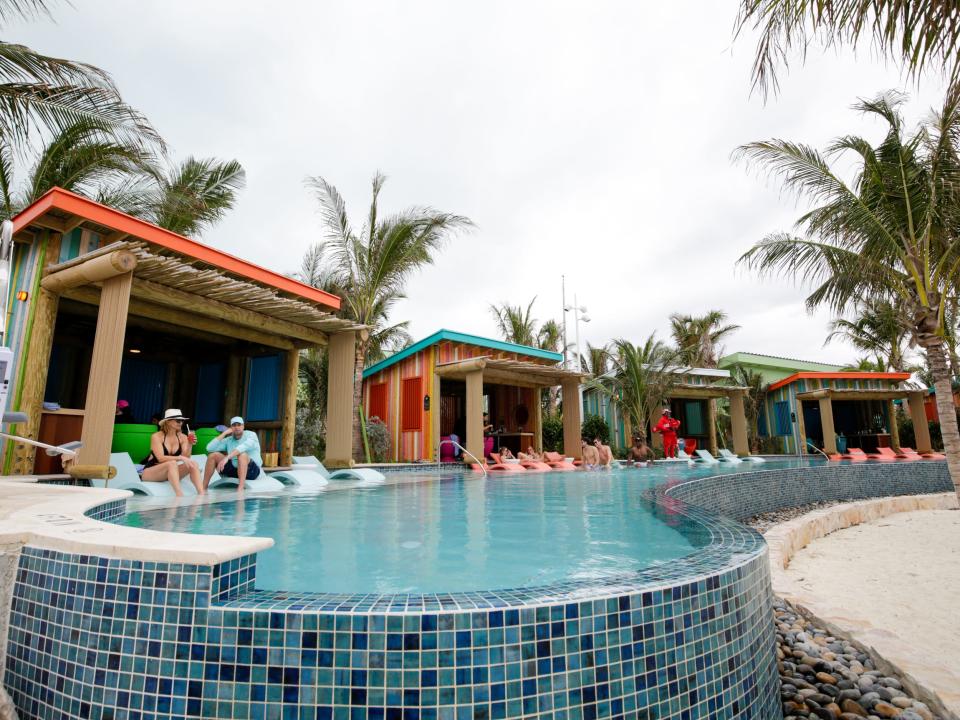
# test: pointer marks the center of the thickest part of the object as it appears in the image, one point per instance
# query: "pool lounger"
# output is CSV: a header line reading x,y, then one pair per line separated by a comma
x,y
264,483
128,479
310,464
704,457
726,454
728,457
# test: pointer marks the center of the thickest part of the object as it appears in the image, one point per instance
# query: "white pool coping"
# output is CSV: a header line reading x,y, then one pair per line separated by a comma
x,y
52,517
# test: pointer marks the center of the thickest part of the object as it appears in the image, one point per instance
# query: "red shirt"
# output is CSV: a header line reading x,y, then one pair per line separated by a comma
x,y
667,425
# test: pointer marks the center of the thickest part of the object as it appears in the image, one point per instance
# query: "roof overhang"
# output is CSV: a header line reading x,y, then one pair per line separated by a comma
x,y
509,372
62,211
854,394
854,375
695,392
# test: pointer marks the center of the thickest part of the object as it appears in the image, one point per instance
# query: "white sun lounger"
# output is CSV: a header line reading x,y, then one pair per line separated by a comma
x,y
310,464
705,457
727,455
682,455
264,483
128,479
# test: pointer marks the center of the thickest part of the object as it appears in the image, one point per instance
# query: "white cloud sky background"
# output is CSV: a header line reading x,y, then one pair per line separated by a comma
x,y
591,140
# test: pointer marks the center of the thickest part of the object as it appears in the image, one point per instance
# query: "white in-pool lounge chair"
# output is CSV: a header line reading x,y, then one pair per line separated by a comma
x,y
682,454
727,455
264,483
128,479
307,471
704,456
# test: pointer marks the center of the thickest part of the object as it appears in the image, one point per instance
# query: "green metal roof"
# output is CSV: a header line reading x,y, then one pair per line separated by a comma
x,y
442,335
775,361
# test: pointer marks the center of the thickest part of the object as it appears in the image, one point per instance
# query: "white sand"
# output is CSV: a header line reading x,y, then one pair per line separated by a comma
x,y
898,576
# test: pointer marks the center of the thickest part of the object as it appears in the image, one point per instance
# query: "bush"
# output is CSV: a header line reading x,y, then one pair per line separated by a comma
x,y
379,439
595,426
309,438
553,434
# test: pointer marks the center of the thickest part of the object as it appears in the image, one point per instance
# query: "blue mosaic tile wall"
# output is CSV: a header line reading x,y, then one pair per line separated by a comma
x,y
744,495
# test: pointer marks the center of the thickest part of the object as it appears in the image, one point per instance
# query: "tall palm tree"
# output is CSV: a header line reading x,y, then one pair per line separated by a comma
x,y
515,324
84,158
698,337
596,362
878,328
550,336
918,34
372,266
752,401
643,377
39,91
867,364
891,234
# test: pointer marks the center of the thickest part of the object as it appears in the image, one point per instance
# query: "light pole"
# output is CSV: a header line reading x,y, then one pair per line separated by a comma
x,y
579,313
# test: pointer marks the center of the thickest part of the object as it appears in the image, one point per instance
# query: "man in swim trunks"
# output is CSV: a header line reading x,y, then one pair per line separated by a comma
x,y
591,458
668,426
605,454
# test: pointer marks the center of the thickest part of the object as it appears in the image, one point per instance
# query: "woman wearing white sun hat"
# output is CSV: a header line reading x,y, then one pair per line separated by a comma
x,y
170,451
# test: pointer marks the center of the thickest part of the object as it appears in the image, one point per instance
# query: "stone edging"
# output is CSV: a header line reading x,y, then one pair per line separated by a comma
x,y
938,687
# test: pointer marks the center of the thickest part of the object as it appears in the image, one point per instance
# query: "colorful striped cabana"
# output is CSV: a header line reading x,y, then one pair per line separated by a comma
x,y
444,383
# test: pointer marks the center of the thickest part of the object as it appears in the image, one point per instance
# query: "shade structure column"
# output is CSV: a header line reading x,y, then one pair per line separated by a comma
x,y
571,419
738,424
921,430
101,404
711,425
474,383
538,418
826,422
802,430
340,409
289,427
894,426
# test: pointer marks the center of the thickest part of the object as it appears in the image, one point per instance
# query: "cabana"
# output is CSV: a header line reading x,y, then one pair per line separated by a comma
x,y
444,383
859,406
105,305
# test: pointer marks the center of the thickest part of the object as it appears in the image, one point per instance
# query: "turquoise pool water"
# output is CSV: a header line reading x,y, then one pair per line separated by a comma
x,y
448,532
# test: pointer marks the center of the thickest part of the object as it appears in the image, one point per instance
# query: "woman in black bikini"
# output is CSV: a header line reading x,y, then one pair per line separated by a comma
x,y
169,457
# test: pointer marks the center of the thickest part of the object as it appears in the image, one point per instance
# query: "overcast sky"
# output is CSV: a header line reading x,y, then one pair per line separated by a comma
x,y
590,140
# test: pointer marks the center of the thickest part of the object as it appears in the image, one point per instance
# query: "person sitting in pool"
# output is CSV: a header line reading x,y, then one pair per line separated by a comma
x,y
506,454
234,453
605,454
639,454
530,454
169,457
590,455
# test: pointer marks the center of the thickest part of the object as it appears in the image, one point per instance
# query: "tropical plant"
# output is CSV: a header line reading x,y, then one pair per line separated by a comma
x,y
550,336
516,325
596,362
753,400
866,364
918,34
878,328
643,376
372,266
378,436
552,433
892,234
698,337
594,426
38,91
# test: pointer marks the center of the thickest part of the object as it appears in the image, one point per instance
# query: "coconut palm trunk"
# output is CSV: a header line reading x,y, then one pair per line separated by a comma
x,y
359,362
942,383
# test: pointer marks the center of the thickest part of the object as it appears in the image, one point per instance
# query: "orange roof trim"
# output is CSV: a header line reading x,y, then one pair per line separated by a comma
x,y
65,201
839,376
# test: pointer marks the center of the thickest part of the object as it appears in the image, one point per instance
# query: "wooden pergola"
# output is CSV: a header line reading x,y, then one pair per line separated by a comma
x,y
519,373
825,397
143,274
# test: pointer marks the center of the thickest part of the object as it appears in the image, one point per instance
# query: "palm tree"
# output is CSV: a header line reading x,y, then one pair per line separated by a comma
x,y
372,267
698,337
550,336
41,91
596,362
84,158
891,235
878,328
918,34
516,325
867,364
753,400
643,376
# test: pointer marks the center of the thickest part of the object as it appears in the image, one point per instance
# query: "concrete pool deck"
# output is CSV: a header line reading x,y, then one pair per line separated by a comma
x,y
884,573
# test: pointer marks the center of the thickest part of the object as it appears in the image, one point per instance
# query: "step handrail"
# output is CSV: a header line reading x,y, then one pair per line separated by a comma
x,y
811,445
463,450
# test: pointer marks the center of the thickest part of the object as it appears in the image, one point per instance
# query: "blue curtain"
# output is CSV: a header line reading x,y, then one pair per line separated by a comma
x,y
263,388
210,387
142,384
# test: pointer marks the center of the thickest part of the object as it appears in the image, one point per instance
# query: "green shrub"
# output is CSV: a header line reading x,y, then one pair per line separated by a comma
x,y
595,426
379,438
553,434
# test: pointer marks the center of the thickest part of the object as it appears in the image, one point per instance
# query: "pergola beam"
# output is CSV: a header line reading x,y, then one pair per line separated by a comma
x,y
94,270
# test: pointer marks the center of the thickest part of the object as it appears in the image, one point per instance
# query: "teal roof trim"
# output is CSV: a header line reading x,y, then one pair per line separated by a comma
x,y
452,336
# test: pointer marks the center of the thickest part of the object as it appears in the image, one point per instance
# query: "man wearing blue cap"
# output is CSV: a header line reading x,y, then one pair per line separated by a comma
x,y
234,453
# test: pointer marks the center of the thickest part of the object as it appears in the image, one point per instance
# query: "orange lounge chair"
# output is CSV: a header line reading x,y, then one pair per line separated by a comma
x,y
910,453
855,454
889,454
500,465
556,461
882,456
535,466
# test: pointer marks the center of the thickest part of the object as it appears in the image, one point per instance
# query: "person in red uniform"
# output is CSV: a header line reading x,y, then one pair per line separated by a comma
x,y
668,426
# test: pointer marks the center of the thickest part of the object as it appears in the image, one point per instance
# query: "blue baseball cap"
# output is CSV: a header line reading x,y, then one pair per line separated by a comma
x,y
236,420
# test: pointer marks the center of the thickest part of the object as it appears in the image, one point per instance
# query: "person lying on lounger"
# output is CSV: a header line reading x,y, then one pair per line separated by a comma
x,y
234,453
169,458
530,454
506,454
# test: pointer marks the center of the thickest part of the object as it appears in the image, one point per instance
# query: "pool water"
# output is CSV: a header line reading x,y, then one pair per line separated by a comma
x,y
449,532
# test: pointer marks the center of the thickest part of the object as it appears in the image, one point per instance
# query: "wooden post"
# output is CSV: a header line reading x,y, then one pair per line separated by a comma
x,y
538,418
474,382
894,427
340,410
291,385
101,404
656,439
571,419
35,378
921,430
738,423
802,429
627,428
711,425
826,422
